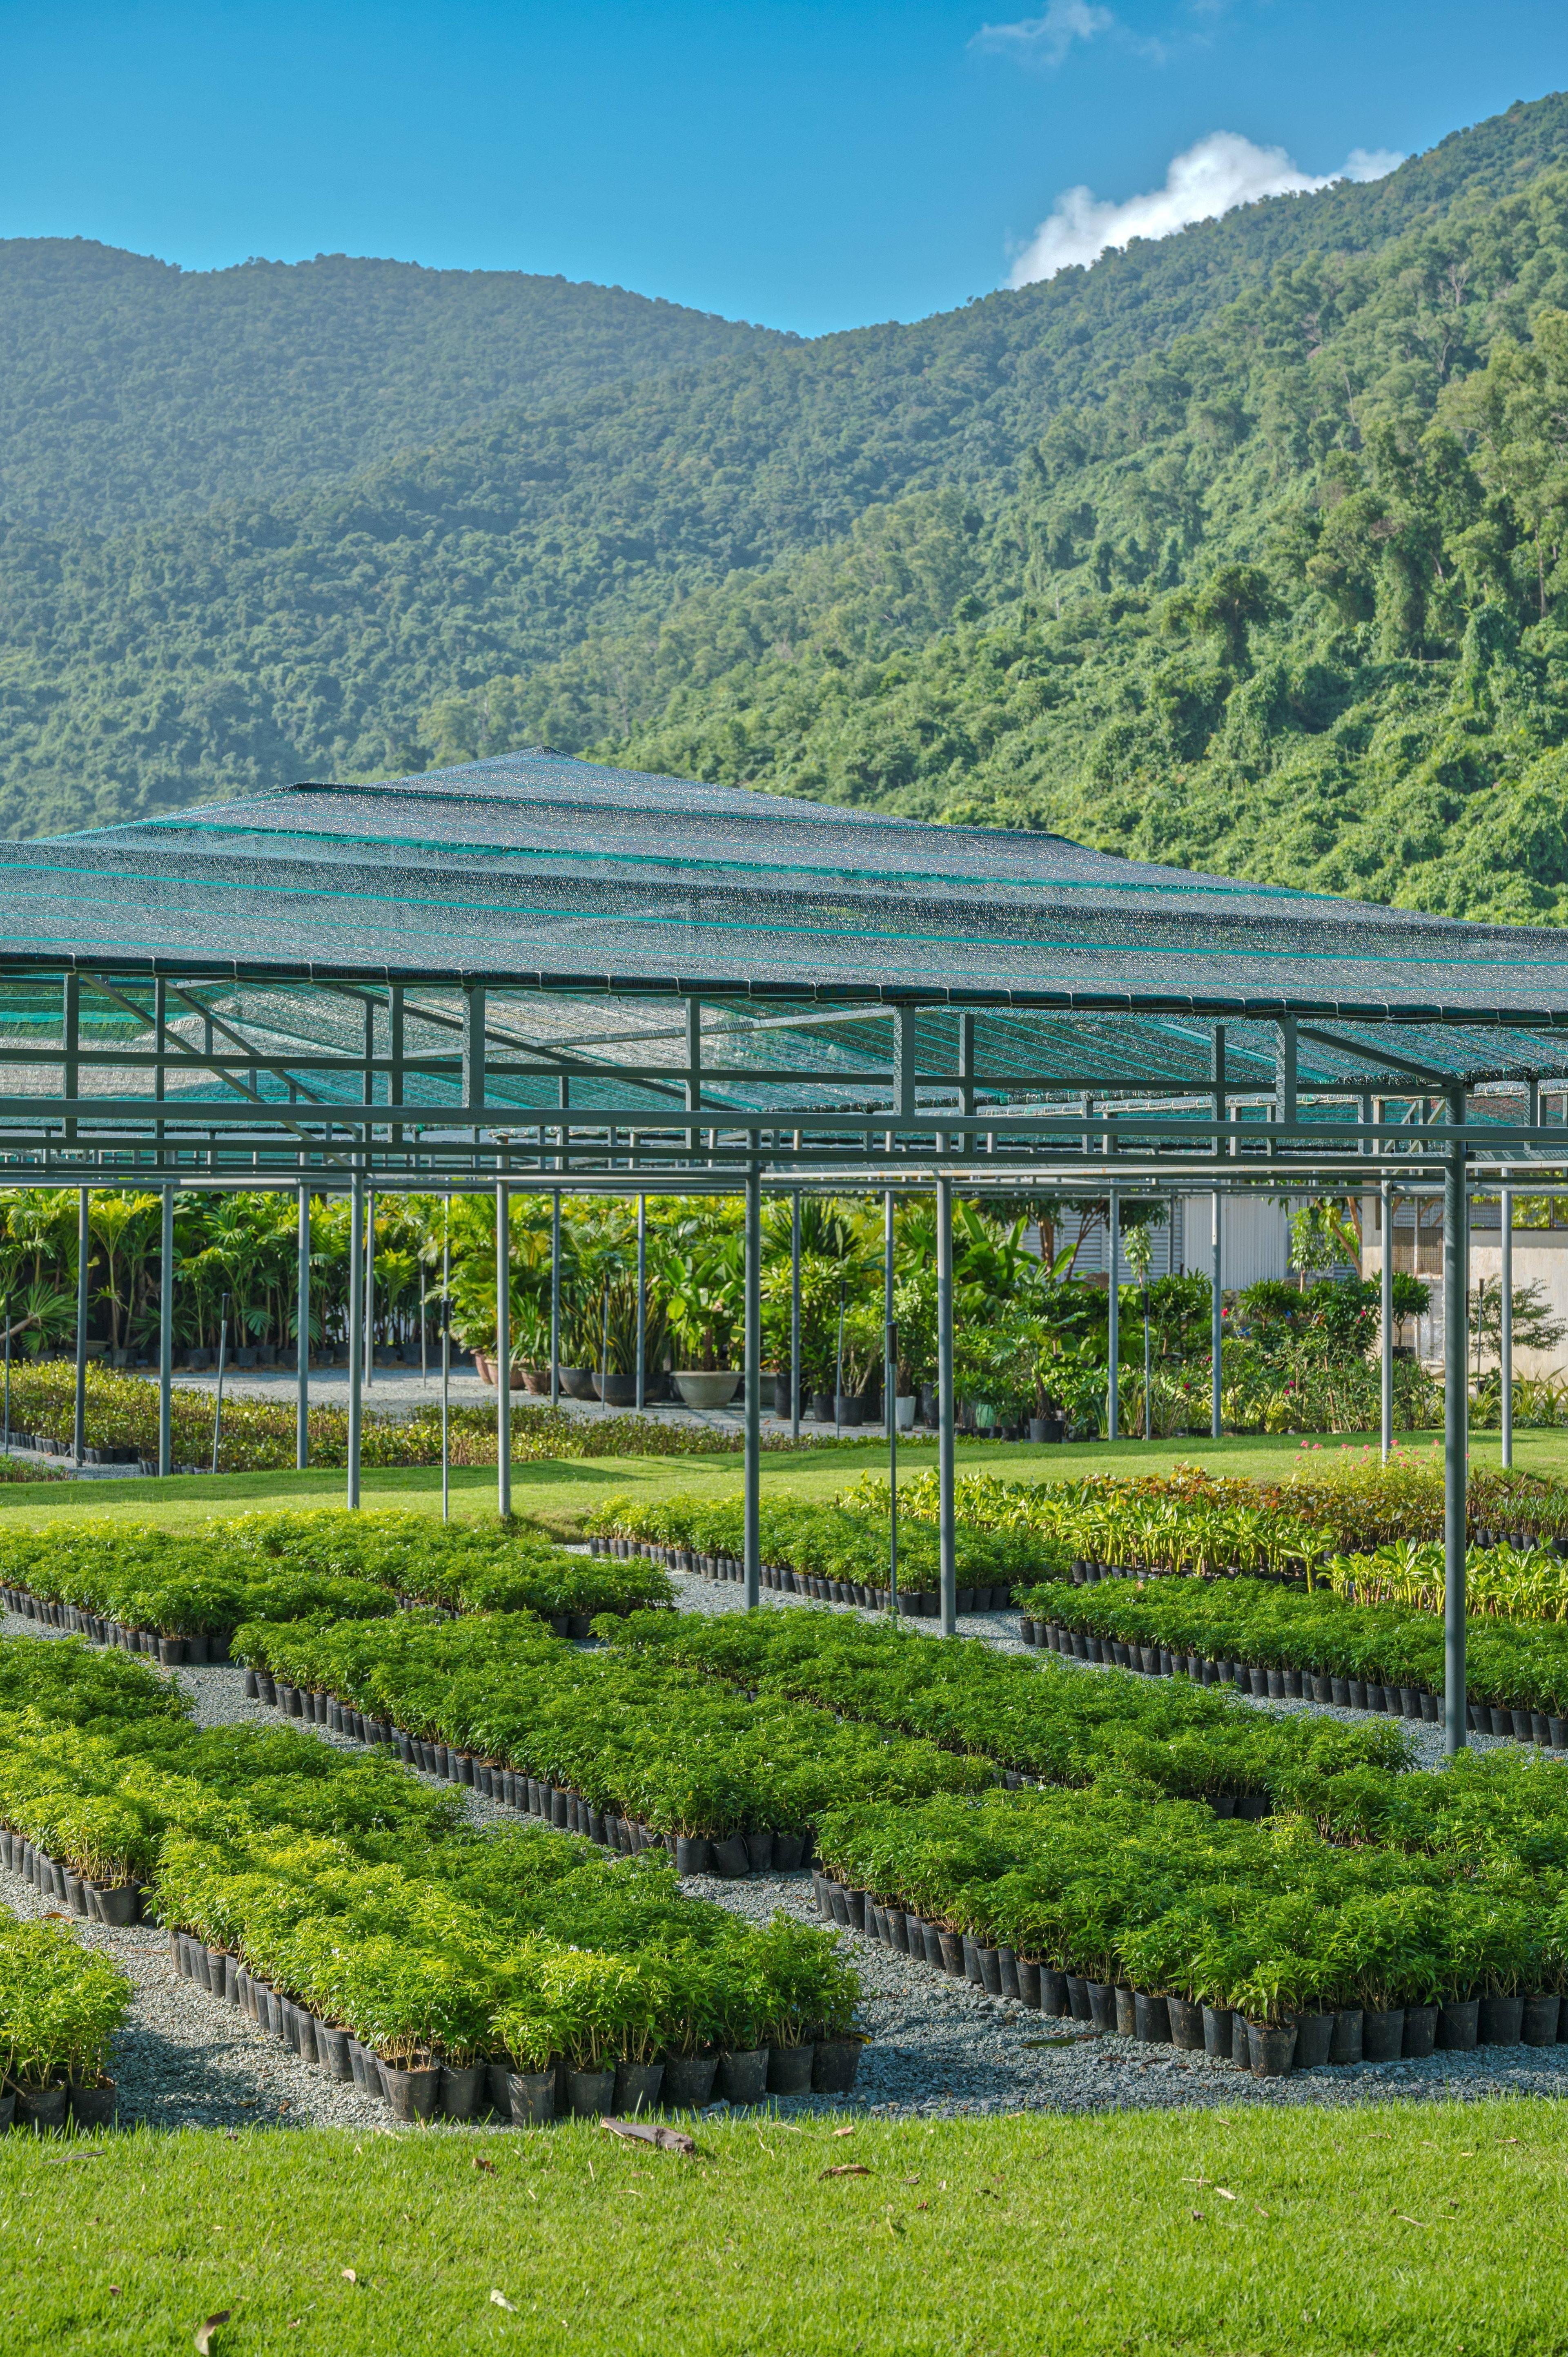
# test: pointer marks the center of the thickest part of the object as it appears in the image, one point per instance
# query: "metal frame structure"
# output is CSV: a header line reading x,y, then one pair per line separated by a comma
x,y
859,1005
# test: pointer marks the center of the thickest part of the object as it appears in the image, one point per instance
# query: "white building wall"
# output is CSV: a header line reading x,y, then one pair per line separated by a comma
x,y
1254,1240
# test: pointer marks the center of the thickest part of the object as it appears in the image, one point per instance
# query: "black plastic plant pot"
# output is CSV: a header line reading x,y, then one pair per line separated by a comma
x,y
833,2065
42,2109
589,2092
1187,2024
334,2044
1008,1962
1054,1999
1102,2006
951,1944
1499,2021
94,2108
731,1857
1382,2034
1345,2045
460,2091
689,2081
989,1971
760,1851
638,2088
1420,2031
1314,2040
1458,2022
1028,1981
1078,1997
1540,2019
693,1854
1219,2033
531,2097
1151,2018
743,2078
1271,2048
790,2070
789,1853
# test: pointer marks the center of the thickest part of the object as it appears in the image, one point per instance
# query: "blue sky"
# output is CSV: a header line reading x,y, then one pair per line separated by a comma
x,y
813,165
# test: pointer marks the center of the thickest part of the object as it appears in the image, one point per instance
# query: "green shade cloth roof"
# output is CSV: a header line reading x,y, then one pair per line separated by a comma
x,y
539,873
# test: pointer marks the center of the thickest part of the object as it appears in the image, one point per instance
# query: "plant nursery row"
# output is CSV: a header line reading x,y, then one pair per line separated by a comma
x,y
1192,1521
1272,1641
1377,1913
182,1593
1019,1718
832,1554
1443,1920
59,2006
629,1737
356,1899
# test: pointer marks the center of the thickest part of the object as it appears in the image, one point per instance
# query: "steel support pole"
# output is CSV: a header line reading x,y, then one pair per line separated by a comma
x,y
1113,1312
356,1328
503,1350
641,1302
166,1337
556,1298
370,1286
83,1257
947,1528
1505,1313
753,1387
446,1359
890,1400
1386,1199
302,1336
795,1317
1455,1402
1217,1314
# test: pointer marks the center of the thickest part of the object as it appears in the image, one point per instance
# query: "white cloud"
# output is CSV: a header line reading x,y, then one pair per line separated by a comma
x,y
1218,173
1048,37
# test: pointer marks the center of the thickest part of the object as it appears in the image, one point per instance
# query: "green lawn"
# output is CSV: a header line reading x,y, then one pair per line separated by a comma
x,y
1391,2229
557,1492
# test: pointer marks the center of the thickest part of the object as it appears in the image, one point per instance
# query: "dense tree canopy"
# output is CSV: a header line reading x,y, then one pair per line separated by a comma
x,y
1241,549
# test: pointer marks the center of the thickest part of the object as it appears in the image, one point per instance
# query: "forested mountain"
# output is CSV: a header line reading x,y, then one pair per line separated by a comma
x,y
1240,549
130,389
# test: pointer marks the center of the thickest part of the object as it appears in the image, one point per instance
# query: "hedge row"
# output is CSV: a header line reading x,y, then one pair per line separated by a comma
x,y
258,1435
346,1889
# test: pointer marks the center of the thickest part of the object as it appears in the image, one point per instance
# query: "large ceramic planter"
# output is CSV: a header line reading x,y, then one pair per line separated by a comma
x,y
617,1391
703,1387
577,1382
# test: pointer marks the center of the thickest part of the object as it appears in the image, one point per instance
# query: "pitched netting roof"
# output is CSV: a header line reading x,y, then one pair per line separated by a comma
x,y
533,871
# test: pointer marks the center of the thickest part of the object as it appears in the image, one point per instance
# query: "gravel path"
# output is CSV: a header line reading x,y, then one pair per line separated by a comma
x,y
938,2047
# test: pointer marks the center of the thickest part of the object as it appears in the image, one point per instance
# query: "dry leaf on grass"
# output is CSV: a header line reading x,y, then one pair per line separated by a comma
x,y
500,2299
846,2169
204,2332
651,2132
487,2166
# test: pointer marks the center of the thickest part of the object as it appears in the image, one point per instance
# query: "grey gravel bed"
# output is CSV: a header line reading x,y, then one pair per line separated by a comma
x,y
938,2047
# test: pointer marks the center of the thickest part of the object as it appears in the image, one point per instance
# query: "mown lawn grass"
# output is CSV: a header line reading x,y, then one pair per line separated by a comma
x,y
556,1492
1414,2228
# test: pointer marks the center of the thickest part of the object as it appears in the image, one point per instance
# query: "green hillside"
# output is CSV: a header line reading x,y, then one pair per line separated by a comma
x,y
131,390
1239,549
